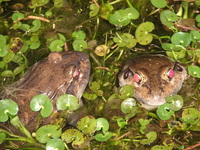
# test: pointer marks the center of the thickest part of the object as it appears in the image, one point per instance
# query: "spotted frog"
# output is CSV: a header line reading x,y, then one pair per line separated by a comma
x,y
153,78
60,73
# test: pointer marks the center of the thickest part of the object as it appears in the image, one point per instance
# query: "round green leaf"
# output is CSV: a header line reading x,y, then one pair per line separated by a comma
x,y
17,15
67,102
79,45
79,35
159,3
36,25
119,18
103,124
194,71
128,106
8,58
106,11
94,10
47,132
164,112
73,135
176,102
2,137
7,106
168,18
142,33
55,144
151,136
132,13
181,38
126,91
43,103
87,125
103,137
56,45
7,73
190,116
198,18
195,35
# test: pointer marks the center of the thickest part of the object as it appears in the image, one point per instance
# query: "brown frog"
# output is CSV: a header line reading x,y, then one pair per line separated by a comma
x,y
153,78
60,73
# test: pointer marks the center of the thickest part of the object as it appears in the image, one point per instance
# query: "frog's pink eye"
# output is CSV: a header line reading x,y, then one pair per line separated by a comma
x,y
137,78
170,73
76,74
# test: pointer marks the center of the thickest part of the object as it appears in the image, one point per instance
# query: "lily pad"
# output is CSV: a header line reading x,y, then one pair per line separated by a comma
x,y
142,33
190,116
36,25
125,40
195,35
79,45
87,125
67,102
56,45
47,132
7,107
43,103
79,35
17,15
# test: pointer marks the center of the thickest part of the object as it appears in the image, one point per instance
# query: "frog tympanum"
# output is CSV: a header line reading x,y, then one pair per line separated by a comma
x,y
153,78
59,73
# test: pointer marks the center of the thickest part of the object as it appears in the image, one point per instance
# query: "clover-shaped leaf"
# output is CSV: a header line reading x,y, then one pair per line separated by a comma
x,y
164,111
87,125
128,106
55,144
67,102
181,38
47,132
7,106
43,103
125,40
142,33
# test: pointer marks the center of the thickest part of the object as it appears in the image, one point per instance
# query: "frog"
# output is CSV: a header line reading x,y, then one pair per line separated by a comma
x,y
59,73
154,77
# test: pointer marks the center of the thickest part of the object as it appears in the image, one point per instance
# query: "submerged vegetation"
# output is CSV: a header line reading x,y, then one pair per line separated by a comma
x,y
110,32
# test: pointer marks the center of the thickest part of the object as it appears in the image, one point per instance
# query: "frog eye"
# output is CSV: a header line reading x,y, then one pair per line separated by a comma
x,y
76,74
137,77
178,67
170,73
128,73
